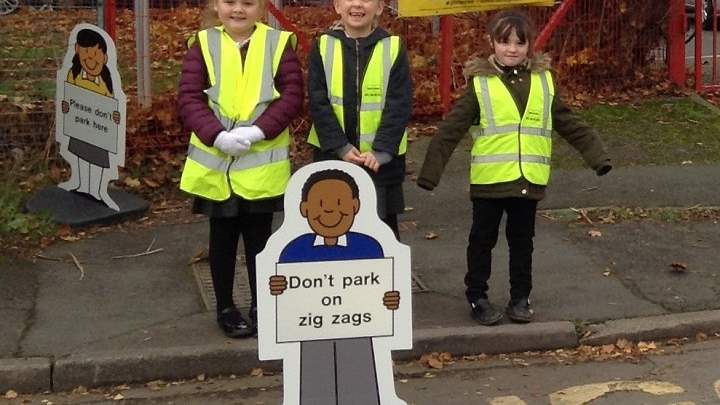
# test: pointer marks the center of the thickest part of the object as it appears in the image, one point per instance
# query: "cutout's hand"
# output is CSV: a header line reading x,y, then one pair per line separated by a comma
x,y
116,117
391,300
230,143
278,284
354,156
65,107
371,161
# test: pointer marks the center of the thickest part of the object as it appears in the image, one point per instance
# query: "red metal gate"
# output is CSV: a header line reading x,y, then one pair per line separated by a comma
x,y
705,80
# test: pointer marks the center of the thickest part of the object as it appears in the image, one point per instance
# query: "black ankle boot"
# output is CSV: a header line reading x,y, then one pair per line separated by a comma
x,y
519,310
484,313
233,324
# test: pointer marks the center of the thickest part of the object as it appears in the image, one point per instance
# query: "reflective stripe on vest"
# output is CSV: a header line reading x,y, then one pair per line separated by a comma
x,y
374,88
263,171
506,146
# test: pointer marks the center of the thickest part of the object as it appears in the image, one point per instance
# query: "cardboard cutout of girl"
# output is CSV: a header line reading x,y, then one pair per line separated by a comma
x,y
90,113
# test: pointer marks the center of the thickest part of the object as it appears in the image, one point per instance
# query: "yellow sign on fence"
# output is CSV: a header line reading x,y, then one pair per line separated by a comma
x,y
418,8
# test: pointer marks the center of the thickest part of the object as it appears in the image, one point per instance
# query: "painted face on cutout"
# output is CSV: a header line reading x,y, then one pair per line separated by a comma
x,y
511,52
239,16
330,208
92,59
358,15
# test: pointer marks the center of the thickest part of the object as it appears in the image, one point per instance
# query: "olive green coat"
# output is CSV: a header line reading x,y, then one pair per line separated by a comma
x,y
466,113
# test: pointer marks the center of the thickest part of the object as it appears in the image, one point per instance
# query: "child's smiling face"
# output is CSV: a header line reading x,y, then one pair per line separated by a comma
x,y
511,52
92,59
239,16
358,16
330,208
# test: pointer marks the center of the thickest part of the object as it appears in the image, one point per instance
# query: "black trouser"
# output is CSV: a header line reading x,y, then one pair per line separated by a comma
x,y
392,221
224,236
519,230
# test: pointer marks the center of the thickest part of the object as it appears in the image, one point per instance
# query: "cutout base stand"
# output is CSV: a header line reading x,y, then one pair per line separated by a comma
x,y
80,209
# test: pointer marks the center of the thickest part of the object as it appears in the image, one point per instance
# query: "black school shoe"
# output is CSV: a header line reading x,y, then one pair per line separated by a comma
x,y
233,324
484,313
519,310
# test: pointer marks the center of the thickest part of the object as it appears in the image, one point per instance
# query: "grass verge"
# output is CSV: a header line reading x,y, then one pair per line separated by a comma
x,y
667,131
613,215
20,231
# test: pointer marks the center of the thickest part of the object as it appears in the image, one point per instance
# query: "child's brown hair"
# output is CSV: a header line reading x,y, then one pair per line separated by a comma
x,y
505,22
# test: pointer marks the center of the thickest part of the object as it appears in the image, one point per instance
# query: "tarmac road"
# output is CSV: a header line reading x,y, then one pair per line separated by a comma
x,y
688,375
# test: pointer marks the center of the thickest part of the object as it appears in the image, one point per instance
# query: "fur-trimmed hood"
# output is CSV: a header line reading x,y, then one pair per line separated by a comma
x,y
489,66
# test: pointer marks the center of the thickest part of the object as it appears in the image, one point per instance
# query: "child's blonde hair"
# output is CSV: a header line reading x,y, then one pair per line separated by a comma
x,y
339,25
505,22
210,17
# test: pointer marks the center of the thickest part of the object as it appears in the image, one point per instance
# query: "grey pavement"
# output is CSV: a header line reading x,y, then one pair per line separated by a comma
x,y
143,318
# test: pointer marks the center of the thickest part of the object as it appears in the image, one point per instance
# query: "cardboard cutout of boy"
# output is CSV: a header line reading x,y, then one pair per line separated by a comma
x,y
334,291
90,112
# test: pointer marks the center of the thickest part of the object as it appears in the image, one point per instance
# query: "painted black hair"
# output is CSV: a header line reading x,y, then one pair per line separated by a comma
x,y
329,174
503,24
88,38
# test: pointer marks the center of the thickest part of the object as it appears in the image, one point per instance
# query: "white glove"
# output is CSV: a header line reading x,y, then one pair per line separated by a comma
x,y
230,143
251,134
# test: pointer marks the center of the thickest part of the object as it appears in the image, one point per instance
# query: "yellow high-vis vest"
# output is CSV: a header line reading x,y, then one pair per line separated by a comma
x,y
239,93
373,88
505,145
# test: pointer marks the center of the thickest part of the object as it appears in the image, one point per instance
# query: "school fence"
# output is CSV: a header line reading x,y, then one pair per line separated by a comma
x,y
601,49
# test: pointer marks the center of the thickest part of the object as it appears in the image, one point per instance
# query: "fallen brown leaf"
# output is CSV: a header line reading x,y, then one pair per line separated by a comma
x,y
646,346
435,363
623,344
256,372
131,182
678,267
199,256
608,219
594,233
150,183
607,349
431,235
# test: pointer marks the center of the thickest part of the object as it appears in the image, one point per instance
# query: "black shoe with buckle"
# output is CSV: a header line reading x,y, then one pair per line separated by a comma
x,y
233,324
484,313
519,310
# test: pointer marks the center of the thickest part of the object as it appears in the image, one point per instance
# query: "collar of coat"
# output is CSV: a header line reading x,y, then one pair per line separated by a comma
x,y
491,67
337,30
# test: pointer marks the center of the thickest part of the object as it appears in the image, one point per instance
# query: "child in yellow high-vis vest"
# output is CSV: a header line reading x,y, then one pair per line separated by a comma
x,y
241,85
360,92
510,110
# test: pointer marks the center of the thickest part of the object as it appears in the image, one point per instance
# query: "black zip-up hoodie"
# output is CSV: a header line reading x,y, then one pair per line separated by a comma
x,y
395,116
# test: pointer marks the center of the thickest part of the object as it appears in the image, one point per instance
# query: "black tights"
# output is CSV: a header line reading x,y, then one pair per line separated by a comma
x,y
392,222
224,237
519,231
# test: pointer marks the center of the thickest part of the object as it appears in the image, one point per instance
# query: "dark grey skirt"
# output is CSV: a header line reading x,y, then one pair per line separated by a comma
x,y
236,206
89,153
